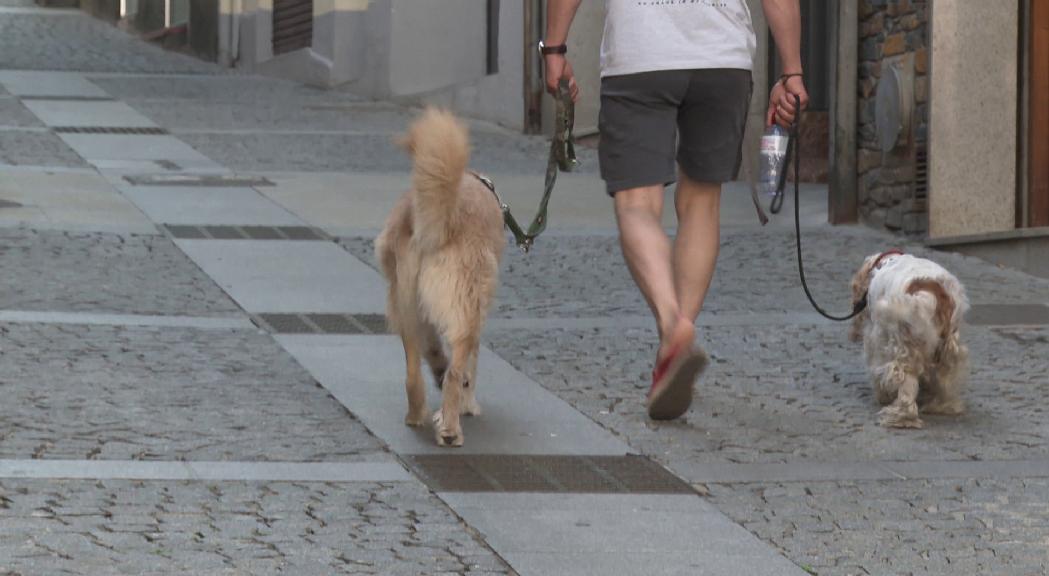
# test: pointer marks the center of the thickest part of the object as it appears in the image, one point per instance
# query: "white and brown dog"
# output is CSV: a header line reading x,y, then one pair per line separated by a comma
x,y
911,336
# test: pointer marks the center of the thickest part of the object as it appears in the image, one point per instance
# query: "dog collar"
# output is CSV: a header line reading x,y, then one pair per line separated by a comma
x,y
884,255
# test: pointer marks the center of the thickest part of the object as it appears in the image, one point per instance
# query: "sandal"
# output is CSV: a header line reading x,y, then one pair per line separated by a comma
x,y
672,382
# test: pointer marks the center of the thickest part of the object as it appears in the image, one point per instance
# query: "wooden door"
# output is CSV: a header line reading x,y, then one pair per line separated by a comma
x,y
1038,195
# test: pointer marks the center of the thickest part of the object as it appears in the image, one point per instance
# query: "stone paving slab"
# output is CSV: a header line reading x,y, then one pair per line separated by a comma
x,y
519,417
75,201
919,527
205,205
789,394
103,528
615,535
48,84
205,91
96,272
79,114
124,148
164,393
33,148
289,276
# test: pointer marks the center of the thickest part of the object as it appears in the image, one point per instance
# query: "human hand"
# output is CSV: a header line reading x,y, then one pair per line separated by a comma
x,y
782,106
557,67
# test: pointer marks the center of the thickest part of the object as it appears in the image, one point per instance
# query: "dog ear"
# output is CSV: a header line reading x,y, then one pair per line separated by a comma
x,y
861,282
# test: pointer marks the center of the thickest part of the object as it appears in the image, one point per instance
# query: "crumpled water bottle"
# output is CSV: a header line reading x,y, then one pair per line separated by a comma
x,y
773,159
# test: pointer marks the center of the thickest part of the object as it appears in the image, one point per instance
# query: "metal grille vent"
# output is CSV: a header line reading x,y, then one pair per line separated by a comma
x,y
560,474
321,323
70,98
292,25
141,131
921,175
190,232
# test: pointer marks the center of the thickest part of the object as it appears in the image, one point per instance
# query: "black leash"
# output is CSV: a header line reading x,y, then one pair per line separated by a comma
x,y
562,158
861,305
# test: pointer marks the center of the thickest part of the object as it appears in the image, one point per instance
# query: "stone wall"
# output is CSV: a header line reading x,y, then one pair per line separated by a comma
x,y
892,31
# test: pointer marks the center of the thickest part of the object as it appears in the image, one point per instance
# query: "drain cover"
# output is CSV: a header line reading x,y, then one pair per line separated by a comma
x,y
566,474
122,130
1008,315
322,323
202,180
69,98
190,232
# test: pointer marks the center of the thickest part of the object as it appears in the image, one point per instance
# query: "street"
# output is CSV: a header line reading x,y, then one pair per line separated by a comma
x,y
195,378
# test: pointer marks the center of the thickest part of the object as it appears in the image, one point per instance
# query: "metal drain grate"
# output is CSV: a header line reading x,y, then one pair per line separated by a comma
x,y
69,98
1008,315
321,323
190,232
125,131
565,474
191,180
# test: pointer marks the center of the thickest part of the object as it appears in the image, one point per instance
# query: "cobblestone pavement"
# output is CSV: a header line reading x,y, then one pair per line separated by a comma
x,y
915,528
75,41
147,393
20,147
209,529
96,272
13,113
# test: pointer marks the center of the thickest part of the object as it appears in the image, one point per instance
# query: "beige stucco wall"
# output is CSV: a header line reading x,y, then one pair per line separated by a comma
x,y
973,117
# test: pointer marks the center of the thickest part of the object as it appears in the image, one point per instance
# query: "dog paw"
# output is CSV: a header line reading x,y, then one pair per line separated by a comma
x,y
447,436
416,419
892,417
470,407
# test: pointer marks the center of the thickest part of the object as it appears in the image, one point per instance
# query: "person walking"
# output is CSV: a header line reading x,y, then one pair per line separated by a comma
x,y
675,88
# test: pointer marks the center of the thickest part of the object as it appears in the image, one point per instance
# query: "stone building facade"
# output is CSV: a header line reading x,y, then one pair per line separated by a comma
x,y
891,187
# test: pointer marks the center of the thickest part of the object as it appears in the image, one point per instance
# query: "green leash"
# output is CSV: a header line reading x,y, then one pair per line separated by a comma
x,y
562,158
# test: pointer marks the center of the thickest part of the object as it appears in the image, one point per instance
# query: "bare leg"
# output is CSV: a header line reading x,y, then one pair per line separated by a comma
x,y
647,251
698,240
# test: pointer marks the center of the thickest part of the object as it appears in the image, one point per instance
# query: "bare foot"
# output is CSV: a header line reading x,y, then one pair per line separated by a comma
x,y
682,335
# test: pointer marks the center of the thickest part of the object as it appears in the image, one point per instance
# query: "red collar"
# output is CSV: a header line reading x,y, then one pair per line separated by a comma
x,y
884,255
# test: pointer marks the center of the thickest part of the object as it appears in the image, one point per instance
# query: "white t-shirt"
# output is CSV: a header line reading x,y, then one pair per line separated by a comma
x,y
650,35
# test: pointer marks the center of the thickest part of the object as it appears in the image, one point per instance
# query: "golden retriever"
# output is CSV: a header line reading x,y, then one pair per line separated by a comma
x,y
440,251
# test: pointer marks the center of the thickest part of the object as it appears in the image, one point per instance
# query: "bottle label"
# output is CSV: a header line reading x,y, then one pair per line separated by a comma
x,y
776,145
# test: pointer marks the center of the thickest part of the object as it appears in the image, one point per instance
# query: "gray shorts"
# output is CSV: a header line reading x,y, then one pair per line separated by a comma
x,y
644,117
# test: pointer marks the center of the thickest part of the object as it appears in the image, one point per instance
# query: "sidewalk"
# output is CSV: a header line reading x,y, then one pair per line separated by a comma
x,y
188,396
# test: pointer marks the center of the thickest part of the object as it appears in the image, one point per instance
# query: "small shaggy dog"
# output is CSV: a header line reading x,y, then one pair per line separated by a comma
x,y
440,253
910,334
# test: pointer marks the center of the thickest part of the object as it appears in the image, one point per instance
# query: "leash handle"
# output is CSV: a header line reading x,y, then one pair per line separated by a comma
x,y
562,158
861,305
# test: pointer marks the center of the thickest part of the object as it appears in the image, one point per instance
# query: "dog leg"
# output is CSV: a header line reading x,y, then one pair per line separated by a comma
x,y
903,412
950,375
470,407
414,386
434,353
446,421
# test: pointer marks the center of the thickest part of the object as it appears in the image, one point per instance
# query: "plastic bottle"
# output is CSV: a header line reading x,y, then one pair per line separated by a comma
x,y
773,159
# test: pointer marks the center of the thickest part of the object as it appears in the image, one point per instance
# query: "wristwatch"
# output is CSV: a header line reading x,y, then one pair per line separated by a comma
x,y
559,49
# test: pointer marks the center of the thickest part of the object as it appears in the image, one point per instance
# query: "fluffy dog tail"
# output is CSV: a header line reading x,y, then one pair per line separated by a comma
x,y
440,147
